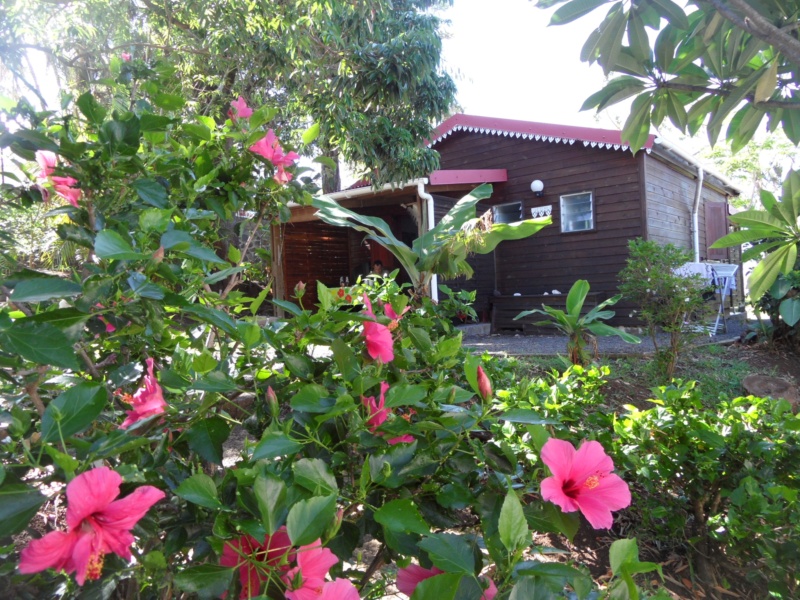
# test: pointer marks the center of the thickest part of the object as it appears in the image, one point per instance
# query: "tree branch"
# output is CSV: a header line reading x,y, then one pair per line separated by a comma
x,y
162,13
753,22
685,87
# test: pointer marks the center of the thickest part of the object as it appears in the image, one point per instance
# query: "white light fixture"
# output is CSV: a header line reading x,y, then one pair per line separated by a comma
x,y
537,187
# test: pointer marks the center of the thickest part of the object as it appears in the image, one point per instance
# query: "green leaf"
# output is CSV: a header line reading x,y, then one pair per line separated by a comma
x,y
41,343
622,552
199,489
207,436
91,109
527,588
168,101
672,13
308,519
18,504
270,492
261,116
274,444
151,122
207,581
405,395
110,245
512,526
314,475
39,290
70,321
73,411
450,552
402,516
151,192
574,10
448,586
215,317
637,127
790,311
312,398
197,131
345,359
310,134
527,416
328,162
766,272
576,297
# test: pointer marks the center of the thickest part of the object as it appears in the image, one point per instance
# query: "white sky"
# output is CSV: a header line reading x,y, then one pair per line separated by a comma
x,y
508,63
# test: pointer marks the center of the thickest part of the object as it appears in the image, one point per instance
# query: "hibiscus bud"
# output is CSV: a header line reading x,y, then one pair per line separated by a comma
x,y
272,401
333,527
484,385
299,290
158,255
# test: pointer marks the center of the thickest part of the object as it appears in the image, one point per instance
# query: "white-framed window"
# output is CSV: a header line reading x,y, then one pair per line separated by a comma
x,y
577,212
507,213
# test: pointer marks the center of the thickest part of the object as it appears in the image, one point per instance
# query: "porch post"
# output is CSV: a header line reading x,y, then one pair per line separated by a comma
x,y
428,224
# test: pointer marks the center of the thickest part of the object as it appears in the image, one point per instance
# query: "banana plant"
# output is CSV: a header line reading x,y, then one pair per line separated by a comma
x,y
774,232
581,330
442,250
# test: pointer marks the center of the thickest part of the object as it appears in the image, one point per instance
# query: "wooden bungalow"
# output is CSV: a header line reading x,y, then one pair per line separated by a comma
x,y
598,193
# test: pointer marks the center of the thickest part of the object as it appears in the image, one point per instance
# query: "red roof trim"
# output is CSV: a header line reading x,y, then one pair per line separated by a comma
x,y
451,176
568,134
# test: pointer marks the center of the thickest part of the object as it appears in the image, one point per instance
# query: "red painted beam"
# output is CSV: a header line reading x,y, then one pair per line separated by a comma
x,y
451,176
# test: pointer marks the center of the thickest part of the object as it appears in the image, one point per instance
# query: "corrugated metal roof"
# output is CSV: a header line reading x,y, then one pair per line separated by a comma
x,y
564,134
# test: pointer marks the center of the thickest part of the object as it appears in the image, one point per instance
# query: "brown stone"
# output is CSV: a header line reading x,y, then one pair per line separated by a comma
x,y
774,387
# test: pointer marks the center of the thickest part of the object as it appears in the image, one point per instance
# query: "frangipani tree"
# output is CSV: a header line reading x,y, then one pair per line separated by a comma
x,y
774,231
443,249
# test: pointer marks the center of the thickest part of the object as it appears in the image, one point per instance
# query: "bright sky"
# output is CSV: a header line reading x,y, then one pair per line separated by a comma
x,y
509,63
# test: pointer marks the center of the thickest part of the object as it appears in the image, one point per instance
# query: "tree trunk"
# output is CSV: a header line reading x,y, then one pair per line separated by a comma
x,y
331,178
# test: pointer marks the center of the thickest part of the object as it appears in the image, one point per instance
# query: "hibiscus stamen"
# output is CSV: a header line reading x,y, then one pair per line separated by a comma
x,y
592,482
95,566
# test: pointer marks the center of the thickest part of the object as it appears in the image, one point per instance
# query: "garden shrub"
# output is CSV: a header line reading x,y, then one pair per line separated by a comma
x,y
721,478
665,299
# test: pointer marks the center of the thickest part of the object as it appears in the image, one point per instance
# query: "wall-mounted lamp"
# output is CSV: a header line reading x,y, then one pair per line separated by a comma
x,y
537,187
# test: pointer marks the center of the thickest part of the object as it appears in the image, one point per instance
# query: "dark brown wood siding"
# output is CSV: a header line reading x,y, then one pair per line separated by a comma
x,y
551,260
314,251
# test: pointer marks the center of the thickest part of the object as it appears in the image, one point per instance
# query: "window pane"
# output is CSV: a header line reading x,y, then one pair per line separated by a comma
x,y
577,213
507,213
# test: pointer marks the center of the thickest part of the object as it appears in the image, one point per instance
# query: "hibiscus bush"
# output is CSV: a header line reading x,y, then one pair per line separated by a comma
x,y
158,439
721,478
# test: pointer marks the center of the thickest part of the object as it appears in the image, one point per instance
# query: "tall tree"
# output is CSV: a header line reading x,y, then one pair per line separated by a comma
x,y
367,72
711,62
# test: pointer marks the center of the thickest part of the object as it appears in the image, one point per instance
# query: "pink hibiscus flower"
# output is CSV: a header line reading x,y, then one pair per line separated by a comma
x,y
147,401
65,187
378,414
409,577
306,580
378,336
240,110
270,148
47,163
250,556
125,56
339,589
582,480
96,525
